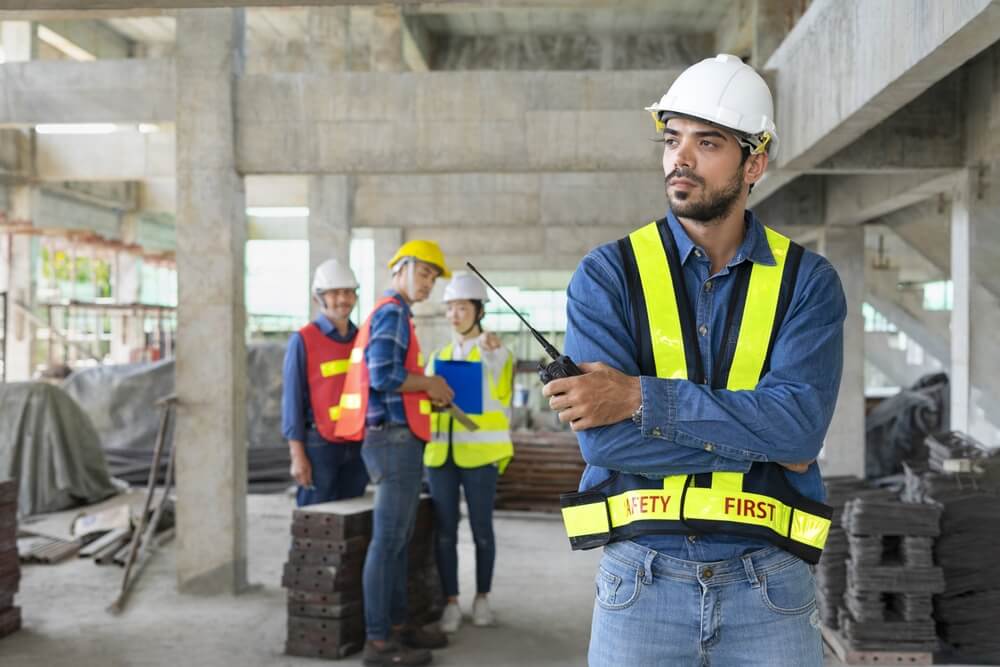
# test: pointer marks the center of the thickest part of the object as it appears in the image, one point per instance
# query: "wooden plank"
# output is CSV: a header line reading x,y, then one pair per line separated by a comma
x,y
850,656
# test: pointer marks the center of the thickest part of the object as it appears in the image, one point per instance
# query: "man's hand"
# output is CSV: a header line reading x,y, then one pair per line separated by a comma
x,y
438,390
301,469
600,397
489,341
797,467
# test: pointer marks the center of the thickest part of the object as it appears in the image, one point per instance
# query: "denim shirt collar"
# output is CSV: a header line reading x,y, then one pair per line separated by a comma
x,y
399,297
754,246
330,331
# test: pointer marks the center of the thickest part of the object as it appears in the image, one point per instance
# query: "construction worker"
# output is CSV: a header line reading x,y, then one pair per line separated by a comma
x,y
457,457
715,350
387,401
325,467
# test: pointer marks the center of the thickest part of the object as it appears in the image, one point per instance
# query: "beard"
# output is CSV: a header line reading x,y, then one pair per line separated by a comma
x,y
714,204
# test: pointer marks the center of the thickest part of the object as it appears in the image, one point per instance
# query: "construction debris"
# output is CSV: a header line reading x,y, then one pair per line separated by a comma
x,y
10,570
323,576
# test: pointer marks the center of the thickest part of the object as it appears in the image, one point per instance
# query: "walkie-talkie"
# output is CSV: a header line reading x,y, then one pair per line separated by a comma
x,y
562,366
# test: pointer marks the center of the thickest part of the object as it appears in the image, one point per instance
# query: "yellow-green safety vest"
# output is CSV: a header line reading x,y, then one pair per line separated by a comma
x,y
491,443
760,503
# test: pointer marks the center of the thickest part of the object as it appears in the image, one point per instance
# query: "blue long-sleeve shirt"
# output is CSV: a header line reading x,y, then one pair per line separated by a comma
x,y
692,428
386,355
296,410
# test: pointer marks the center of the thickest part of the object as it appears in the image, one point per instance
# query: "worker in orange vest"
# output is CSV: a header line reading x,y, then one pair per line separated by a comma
x,y
387,402
325,466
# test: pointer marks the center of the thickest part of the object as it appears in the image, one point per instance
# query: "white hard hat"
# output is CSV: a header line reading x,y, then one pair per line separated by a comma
x,y
726,92
464,285
332,274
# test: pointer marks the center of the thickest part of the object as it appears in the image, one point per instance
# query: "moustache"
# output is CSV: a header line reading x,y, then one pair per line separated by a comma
x,y
688,174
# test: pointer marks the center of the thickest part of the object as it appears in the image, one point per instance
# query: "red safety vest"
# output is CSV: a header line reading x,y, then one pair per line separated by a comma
x,y
354,399
327,362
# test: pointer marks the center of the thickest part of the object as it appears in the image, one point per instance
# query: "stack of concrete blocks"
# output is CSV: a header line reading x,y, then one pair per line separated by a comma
x,y
323,576
891,576
831,571
964,477
10,571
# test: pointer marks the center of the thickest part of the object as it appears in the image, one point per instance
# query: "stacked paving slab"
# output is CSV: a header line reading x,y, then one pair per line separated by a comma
x,y
831,571
891,576
964,477
324,572
10,570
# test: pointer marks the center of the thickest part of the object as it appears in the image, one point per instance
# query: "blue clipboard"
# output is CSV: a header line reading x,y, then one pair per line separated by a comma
x,y
466,379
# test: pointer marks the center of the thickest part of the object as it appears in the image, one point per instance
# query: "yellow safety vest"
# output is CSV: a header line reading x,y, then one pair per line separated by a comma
x,y
491,443
760,503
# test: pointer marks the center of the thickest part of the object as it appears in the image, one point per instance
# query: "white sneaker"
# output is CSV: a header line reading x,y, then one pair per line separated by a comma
x,y
451,619
482,615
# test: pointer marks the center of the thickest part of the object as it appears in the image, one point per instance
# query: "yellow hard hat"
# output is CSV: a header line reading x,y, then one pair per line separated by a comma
x,y
424,251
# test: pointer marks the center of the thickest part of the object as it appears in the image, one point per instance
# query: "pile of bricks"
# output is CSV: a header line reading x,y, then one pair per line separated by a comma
x,y
323,576
831,571
10,571
964,478
891,576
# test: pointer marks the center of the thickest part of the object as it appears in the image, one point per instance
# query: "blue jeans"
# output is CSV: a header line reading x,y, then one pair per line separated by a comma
x,y
480,486
337,470
653,610
394,458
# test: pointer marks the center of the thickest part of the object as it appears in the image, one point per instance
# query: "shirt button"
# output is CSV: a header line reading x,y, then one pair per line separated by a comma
x,y
697,253
707,573
709,447
692,538
703,330
656,431
709,285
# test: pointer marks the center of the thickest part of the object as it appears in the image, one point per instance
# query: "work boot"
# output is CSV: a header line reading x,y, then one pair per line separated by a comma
x,y
482,615
451,619
415,636
392,653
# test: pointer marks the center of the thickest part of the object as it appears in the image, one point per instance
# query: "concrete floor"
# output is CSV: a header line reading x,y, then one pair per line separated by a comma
x,y
543,603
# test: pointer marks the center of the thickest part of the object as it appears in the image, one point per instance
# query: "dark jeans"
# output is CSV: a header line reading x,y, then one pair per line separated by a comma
x,y
337,470
480,486
394,458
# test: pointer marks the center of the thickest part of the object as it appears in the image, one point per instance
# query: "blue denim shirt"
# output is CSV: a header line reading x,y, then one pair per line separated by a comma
x,y
692,428
386,355
296,410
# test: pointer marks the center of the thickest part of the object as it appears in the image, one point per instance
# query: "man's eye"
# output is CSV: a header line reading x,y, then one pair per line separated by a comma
x,y
708,144
670,142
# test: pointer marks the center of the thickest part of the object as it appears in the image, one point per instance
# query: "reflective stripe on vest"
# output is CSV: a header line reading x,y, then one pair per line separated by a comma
x,y
327,361
491,443
354,399
760,503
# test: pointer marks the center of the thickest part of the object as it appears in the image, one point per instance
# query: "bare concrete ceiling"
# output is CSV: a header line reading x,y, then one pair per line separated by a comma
x,y
481,19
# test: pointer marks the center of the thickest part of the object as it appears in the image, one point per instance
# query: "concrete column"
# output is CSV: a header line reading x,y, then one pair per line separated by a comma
x,y
17,40
126,328
329,38
17,282
387,241
331,212
844,450
961,279
211,371
387,40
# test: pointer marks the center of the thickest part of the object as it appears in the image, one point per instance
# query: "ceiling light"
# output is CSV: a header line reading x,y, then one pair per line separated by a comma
x,y
76,128
60,43
278,211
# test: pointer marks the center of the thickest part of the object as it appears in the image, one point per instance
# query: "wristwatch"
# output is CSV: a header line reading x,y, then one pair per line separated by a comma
x,y
637,416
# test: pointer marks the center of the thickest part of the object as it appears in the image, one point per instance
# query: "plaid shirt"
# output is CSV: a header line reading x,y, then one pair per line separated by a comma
x,y
385,355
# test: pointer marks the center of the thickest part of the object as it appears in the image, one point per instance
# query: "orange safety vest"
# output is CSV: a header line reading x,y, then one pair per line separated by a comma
x,y
327,362
354,399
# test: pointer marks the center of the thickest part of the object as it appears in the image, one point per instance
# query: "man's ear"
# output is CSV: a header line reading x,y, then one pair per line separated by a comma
x,y
756,165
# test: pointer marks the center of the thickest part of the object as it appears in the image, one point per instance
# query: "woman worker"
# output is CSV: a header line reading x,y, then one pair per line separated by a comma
x,y
473,460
